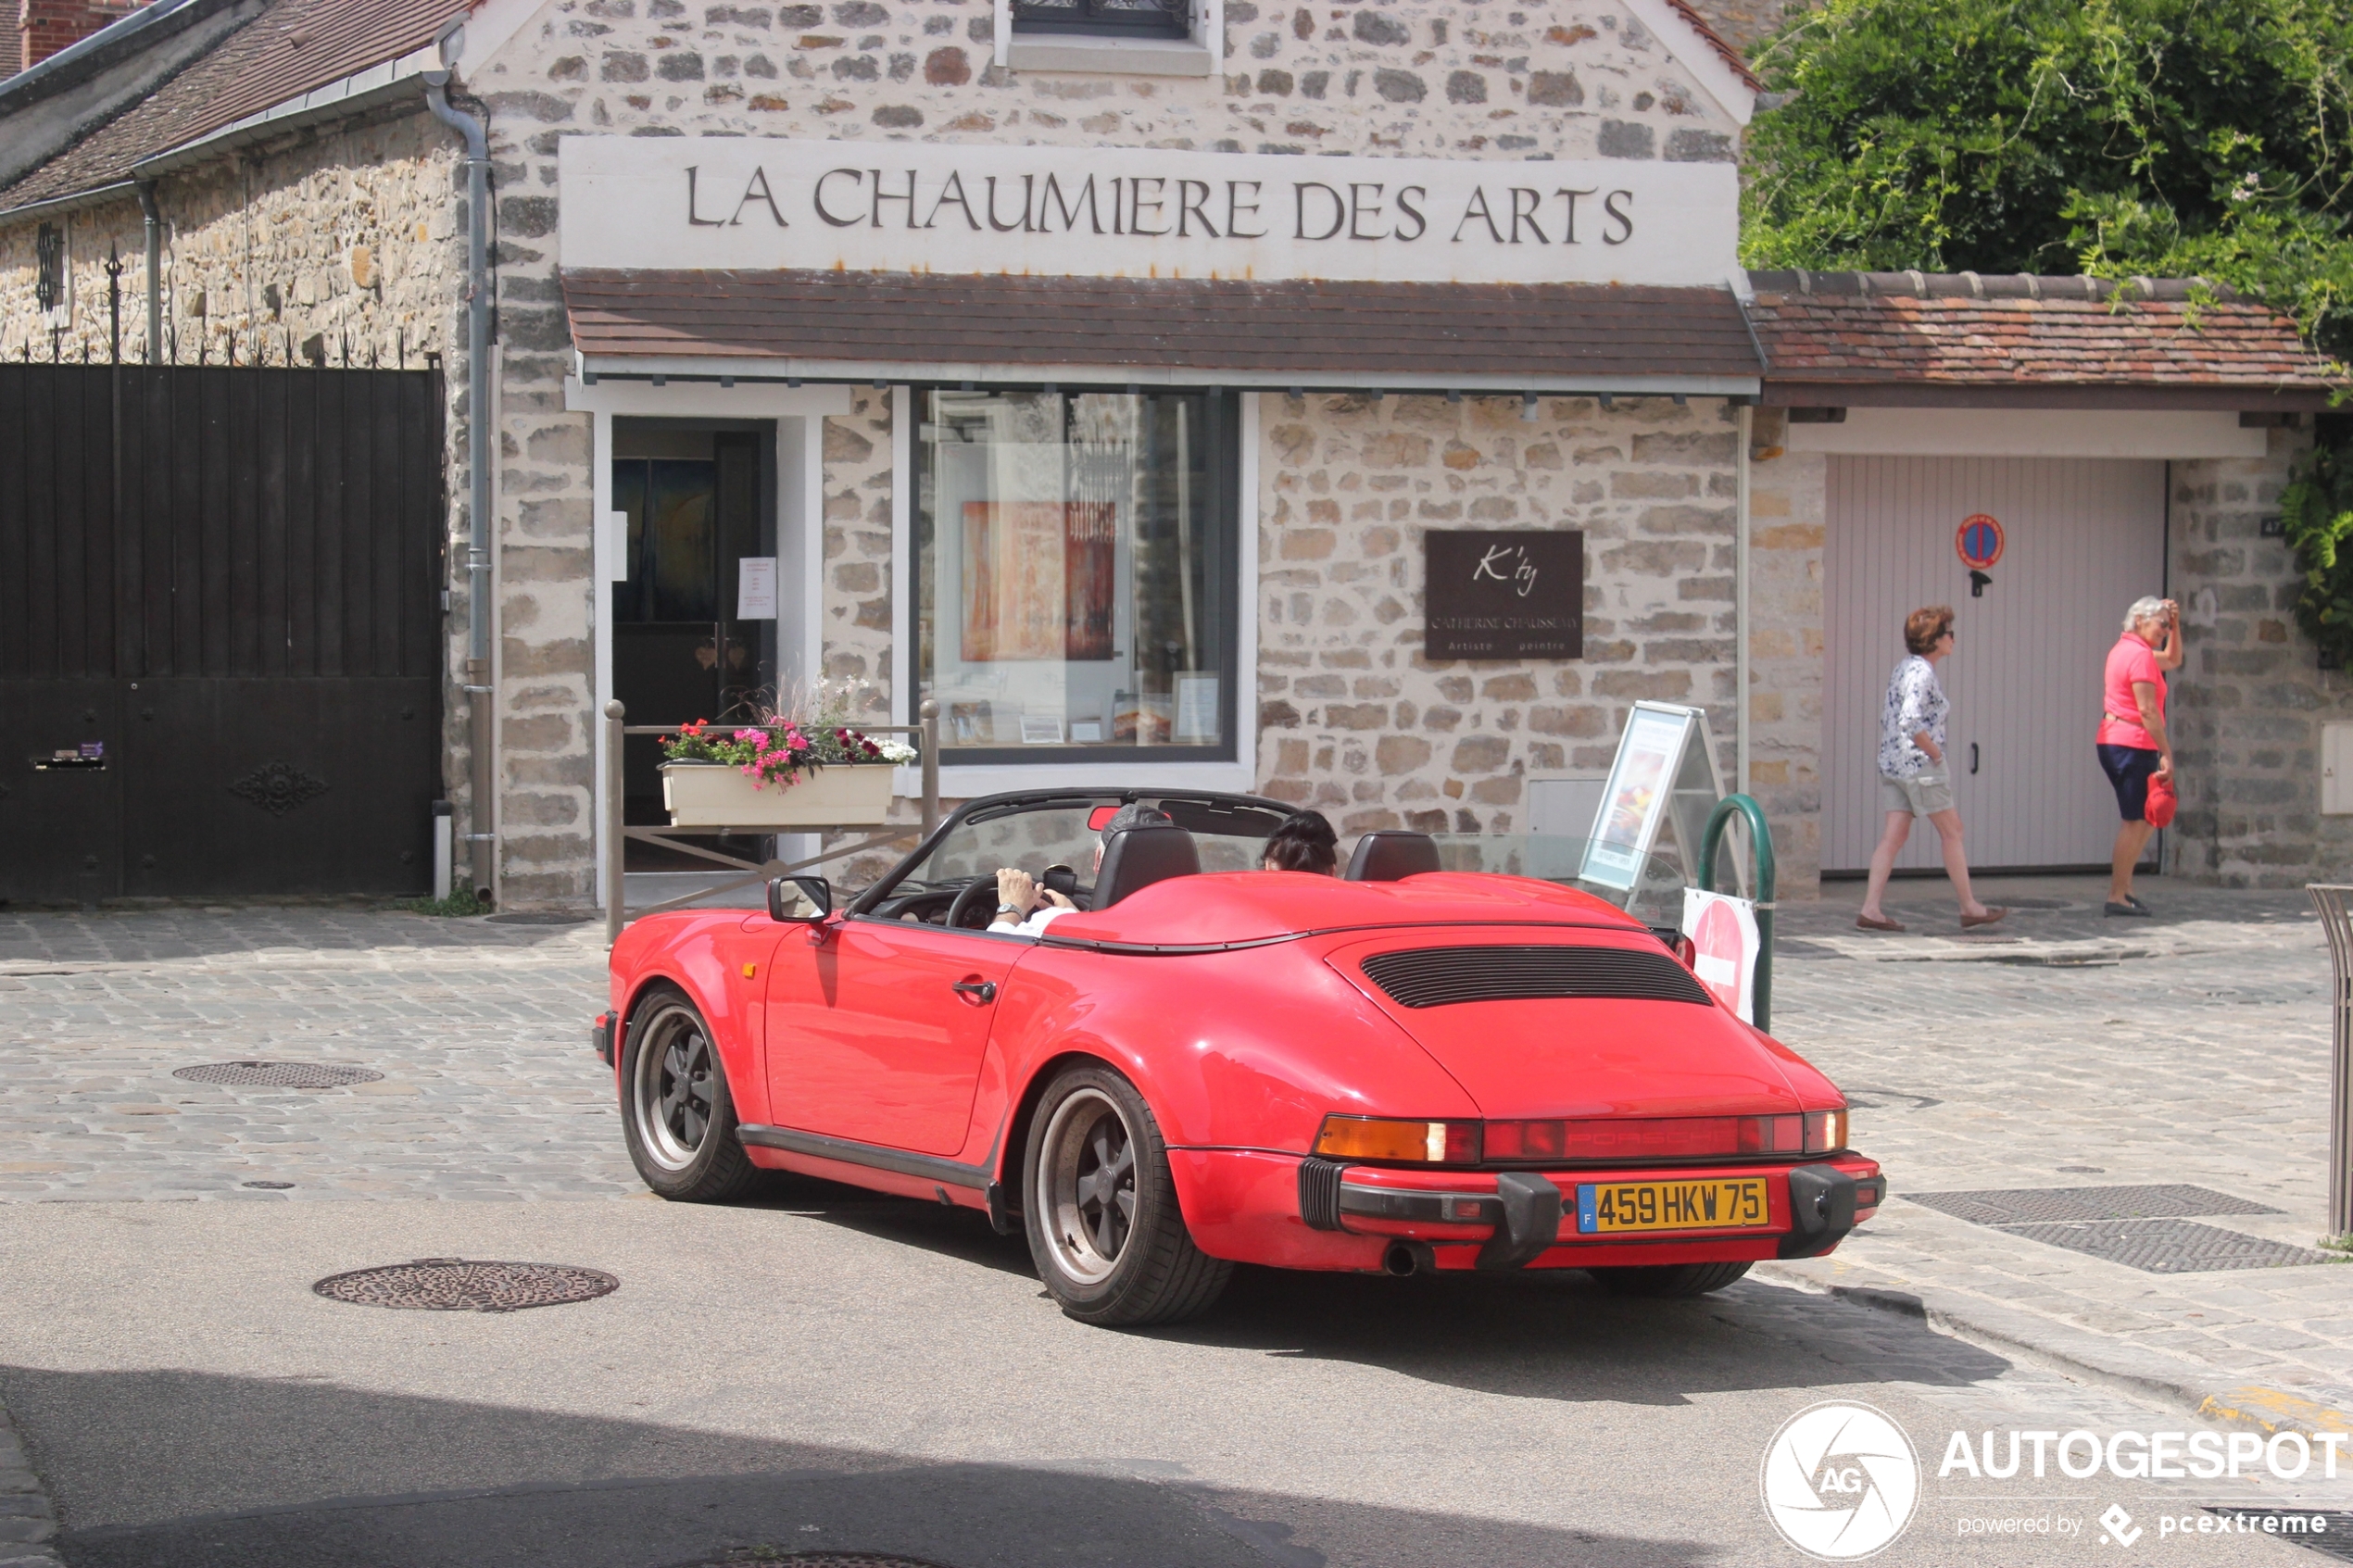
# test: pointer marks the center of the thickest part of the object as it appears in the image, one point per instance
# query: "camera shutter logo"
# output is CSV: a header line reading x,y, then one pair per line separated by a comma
x,y
1840,1481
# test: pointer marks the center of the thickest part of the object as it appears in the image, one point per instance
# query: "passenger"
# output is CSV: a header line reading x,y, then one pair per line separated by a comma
x,y
1025,909
1303,843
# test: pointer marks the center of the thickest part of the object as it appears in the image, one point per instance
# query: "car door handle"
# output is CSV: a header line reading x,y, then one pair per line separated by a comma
x,y
1972,757
979,993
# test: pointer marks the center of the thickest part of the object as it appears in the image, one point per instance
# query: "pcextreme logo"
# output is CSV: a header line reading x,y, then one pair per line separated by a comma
x,y
1840,1481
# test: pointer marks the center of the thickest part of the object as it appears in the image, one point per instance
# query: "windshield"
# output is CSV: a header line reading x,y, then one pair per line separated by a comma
x,y
1065,832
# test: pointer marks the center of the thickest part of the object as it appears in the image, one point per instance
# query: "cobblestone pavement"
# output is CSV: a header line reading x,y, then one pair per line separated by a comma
x,y
2073,1050
2060,1051
479,1027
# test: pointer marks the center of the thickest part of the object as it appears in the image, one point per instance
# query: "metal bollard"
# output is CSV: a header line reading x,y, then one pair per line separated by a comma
x,y
615,843
2338,923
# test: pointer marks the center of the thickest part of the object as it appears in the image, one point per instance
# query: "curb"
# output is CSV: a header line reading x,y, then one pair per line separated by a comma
x,y
2194,1386
28,1519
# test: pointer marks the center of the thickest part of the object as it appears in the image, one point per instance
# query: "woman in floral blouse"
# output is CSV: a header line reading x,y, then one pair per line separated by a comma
x,y
1913,779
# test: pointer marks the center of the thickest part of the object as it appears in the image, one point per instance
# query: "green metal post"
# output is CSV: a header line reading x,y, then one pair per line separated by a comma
x,y
1760,839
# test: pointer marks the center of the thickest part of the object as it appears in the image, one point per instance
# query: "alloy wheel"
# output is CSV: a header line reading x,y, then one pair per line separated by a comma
x,y
1086,1185
671,1096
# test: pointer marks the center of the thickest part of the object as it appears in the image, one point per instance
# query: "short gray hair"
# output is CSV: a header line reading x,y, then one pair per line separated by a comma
x,y
2149,606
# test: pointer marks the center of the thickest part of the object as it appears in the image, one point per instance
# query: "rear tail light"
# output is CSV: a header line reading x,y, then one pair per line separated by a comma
x,y
1613,1138
1374,1137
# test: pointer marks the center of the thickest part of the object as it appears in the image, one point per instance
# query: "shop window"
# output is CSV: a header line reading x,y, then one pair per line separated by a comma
x,y
1142,18
1076,575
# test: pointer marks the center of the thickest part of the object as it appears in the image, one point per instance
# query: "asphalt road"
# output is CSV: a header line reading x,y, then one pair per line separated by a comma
x,y
824,1371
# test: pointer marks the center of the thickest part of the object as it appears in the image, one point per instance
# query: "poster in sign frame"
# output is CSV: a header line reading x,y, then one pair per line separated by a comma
x,y
1664,775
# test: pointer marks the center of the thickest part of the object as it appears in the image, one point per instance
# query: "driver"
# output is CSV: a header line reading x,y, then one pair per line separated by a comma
x,y
1025,909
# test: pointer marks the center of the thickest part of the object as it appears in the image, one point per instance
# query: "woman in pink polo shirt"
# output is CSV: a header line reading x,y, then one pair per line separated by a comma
x,y
2133,743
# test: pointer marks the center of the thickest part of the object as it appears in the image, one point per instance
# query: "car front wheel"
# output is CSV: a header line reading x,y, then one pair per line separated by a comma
x,y
1101,1209
677,1113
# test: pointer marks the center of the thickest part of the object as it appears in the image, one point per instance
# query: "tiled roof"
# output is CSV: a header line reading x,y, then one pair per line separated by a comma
x,y
289,49
1961,330
1730,56
1354,329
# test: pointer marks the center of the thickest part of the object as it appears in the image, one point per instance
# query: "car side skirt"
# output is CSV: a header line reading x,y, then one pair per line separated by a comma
x,y
872,1164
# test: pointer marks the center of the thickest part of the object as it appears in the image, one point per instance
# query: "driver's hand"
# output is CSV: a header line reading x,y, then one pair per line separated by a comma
x,y
1018,888
1056,900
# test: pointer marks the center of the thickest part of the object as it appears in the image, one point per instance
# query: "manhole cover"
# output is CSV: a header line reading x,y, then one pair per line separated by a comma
x,y
824,1559
278,1075
453,1285
2044,1205
2168,1247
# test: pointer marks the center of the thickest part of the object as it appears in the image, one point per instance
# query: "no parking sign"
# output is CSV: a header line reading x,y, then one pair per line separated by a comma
x,y
1979,540
1725,947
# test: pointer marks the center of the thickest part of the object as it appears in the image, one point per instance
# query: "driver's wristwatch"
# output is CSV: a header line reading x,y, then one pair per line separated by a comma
x,y
1009,909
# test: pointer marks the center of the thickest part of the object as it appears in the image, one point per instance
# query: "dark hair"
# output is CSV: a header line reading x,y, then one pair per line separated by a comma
x,y
1923,629
1305,843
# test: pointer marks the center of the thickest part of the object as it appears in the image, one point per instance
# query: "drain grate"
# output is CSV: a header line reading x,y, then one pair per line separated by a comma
x,y
278,1075
2019,1206
2168,1247
453,1285
2328,1532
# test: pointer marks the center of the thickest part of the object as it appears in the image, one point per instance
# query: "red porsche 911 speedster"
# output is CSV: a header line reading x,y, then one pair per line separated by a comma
x,y
1397,1069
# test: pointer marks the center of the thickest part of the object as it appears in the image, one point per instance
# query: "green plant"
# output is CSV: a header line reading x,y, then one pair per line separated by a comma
x,y
2200,138
461,902
2315,512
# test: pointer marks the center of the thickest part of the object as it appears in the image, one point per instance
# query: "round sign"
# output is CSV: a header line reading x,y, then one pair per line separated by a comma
x,y
1719,955
1840,1481
1980,541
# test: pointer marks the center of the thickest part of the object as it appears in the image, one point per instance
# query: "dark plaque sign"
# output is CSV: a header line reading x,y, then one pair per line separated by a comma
x,y
1505,593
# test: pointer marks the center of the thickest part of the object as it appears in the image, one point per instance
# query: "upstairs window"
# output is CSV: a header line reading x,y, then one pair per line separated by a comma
x,y
1138,18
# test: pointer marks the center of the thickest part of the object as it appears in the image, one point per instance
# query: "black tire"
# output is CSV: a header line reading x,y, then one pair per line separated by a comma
x,y
1668,1280
1116,1258
677,1114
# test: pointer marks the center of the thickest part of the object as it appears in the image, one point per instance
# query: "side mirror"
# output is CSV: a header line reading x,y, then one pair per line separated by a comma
x,y
800,900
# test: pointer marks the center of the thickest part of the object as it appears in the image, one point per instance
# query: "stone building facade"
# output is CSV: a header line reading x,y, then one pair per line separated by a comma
x,y
333,230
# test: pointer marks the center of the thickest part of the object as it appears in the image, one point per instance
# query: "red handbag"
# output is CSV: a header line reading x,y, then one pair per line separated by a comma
x,y
2158,813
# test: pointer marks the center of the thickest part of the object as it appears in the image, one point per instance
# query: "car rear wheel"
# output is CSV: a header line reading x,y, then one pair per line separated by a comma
x,y
1668,1279
1101,1209
675,1111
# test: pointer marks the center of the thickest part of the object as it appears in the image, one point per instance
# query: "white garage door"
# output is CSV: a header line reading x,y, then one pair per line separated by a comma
x,y
2084,539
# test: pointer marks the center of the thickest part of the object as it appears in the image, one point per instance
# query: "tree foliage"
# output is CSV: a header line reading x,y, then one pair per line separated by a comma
x,y
2165,138
2317,513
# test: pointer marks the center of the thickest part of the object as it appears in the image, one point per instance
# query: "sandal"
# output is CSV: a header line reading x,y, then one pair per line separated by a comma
x,y
1988,918
2131,905
1865,923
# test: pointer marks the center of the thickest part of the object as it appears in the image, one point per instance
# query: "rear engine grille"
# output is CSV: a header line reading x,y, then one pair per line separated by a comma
x,y
1429,977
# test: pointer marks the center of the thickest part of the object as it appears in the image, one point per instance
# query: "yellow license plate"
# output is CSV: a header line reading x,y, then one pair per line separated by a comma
x,y
1617,1208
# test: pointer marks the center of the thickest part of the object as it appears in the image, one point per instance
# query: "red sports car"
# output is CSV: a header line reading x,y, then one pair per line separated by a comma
x,y
1399,1068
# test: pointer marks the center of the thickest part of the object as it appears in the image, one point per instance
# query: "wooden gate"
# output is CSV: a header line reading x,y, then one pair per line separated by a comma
x,y
220,639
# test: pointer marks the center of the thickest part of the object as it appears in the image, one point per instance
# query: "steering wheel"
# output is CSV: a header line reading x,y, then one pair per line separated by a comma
x,y
975,891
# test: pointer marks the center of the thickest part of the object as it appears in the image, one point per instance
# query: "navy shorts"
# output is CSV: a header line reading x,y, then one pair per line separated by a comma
x,y
2128,768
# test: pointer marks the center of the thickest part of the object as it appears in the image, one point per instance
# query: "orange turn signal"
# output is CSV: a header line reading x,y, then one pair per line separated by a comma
x,y
1375,1138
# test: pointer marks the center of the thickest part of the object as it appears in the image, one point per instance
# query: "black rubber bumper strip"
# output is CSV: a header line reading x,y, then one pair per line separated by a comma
x,y
600,1038
930,1167
1821,1209
1531,1222
1319,1192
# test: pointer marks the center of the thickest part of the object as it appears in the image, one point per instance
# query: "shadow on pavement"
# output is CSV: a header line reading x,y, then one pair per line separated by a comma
x,y
608,1493
1554,1335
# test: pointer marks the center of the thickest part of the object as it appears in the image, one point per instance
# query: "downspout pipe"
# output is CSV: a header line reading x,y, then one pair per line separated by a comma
x,y
480,837
147,211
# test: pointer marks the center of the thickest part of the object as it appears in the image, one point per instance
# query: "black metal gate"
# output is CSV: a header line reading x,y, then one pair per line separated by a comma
x,y
221,640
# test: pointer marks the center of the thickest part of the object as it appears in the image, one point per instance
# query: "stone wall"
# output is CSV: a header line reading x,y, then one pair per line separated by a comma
x,y
1355,720
1786,505
2247,705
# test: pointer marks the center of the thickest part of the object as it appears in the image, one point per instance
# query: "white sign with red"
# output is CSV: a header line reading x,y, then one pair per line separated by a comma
x,y
1725,947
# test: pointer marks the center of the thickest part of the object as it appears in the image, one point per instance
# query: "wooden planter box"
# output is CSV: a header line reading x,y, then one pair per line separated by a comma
x,y
713,795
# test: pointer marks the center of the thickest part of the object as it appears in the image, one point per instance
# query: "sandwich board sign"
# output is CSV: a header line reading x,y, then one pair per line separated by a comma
x,y
1662,778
